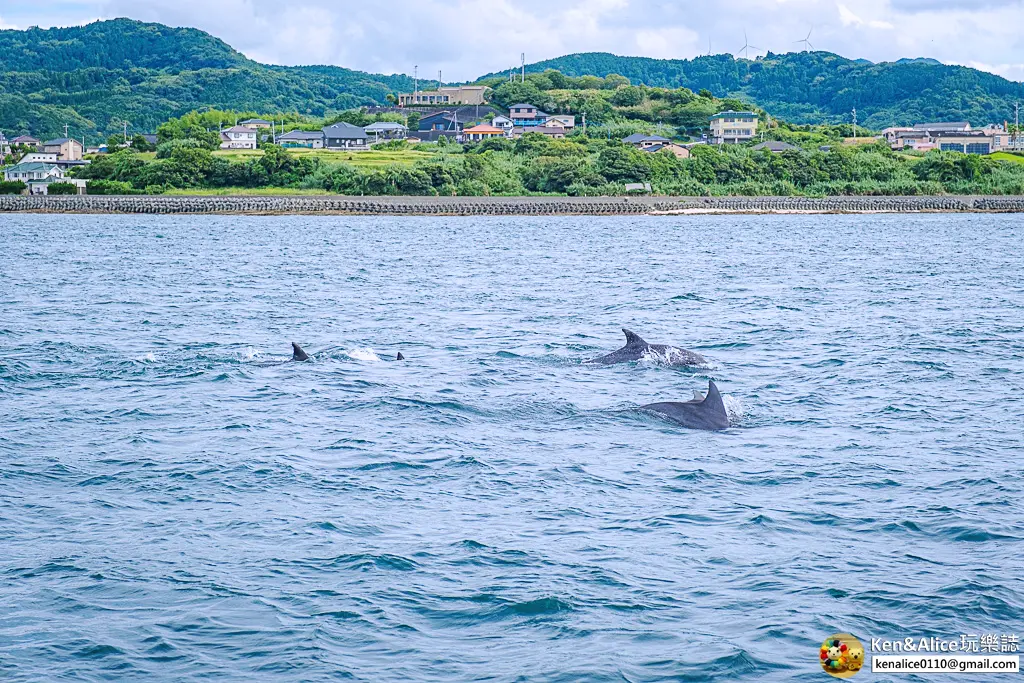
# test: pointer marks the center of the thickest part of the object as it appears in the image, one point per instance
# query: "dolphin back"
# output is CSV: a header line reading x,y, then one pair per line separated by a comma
x,y
696,414
298,354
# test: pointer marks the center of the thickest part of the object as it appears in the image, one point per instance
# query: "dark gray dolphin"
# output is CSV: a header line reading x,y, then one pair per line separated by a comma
x,y
297,353
636,348
400,356
709,413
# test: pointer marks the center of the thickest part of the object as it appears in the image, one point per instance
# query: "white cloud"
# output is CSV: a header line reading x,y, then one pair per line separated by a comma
x,y
465,38
848,18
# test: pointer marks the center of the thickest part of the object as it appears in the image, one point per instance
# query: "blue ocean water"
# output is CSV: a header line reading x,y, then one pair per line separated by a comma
x,y
180,503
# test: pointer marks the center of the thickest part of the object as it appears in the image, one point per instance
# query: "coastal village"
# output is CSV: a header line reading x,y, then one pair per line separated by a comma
x,y
462,115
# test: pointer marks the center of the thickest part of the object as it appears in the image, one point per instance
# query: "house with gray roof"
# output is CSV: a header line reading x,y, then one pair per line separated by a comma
x,y
386,130
345,136
774,146
643,141
308,139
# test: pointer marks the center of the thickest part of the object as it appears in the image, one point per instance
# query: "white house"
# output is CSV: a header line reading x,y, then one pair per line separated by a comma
x,y
238,137
503,122
33,170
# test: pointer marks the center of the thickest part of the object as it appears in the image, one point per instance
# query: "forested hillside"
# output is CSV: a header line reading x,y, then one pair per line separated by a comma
x,y
94,77
97,76
820,87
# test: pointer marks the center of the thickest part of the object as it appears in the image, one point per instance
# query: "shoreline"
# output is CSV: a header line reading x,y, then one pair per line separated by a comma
x,y
277,205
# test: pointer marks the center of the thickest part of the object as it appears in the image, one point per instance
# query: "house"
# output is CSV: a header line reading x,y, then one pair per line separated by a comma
x,y
968,142
255,123
66,149
526,115
442,120
461,94
25,141
238,137
33,170
503,122
42,186
150,138
567,121
482,132
345,136
302,139
39,158
732,127
947,127
643,141
774,146
679,151
556,132
386,130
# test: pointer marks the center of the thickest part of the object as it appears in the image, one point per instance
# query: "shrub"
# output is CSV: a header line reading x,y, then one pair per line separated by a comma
x,y
109,187
61,188
166,149
12,187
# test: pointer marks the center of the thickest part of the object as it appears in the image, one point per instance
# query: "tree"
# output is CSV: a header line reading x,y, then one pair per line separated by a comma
x,y
61,189
412,122
621,163
141,144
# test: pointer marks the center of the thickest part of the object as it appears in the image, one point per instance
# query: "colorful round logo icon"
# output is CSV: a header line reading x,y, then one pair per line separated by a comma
x,y
841,655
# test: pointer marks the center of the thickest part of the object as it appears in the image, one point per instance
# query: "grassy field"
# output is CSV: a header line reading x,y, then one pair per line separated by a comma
x,y
1006,156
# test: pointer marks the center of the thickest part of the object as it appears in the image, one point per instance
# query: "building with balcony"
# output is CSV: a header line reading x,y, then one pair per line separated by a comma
x,y
733,127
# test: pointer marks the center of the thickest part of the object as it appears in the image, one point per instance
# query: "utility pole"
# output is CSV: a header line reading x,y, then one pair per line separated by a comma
x,y
522,59
438,79
126,132
855,125
584,124
65,130
415,80
1016,126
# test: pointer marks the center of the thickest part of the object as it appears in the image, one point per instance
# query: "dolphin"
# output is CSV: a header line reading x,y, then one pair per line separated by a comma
x,y
708,413
400,356
636,348
298,354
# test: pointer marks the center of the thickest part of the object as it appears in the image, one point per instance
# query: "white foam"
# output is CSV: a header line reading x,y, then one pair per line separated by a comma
x,y
365,353
251,353
147,358
734,407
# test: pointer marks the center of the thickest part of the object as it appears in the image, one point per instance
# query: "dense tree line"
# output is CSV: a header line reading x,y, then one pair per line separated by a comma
x,y
575,166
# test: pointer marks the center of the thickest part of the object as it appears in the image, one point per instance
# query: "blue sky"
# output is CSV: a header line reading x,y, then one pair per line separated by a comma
x,y
466,38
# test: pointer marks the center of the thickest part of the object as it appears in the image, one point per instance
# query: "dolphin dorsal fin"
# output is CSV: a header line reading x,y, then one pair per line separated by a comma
x,y
714,399
400,356
297,353
632,338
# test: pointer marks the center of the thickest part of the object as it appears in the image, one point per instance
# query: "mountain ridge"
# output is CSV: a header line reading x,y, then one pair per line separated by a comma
x,y
96,76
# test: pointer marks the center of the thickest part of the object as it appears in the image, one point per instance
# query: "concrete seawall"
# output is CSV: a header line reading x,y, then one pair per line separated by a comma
x,y
497,206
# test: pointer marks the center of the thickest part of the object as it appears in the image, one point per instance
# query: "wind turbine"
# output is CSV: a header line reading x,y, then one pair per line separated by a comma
x,y
807,41
746,46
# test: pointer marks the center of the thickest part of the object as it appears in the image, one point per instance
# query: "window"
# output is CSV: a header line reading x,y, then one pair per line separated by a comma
x,y
978,148
951,147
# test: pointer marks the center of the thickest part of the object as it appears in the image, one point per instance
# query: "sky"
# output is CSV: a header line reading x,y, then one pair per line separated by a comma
x,y
467,38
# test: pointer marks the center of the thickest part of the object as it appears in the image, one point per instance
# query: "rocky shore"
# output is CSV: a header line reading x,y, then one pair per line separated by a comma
x,y
498,206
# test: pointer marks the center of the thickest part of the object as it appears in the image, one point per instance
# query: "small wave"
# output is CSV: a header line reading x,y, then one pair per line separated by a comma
x,y
362,353
146,358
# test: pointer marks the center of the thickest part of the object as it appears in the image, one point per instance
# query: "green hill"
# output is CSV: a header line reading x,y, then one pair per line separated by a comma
x,y
95,76
820,87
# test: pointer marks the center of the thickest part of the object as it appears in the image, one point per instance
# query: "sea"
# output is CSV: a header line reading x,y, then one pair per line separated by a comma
x,y
181,502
